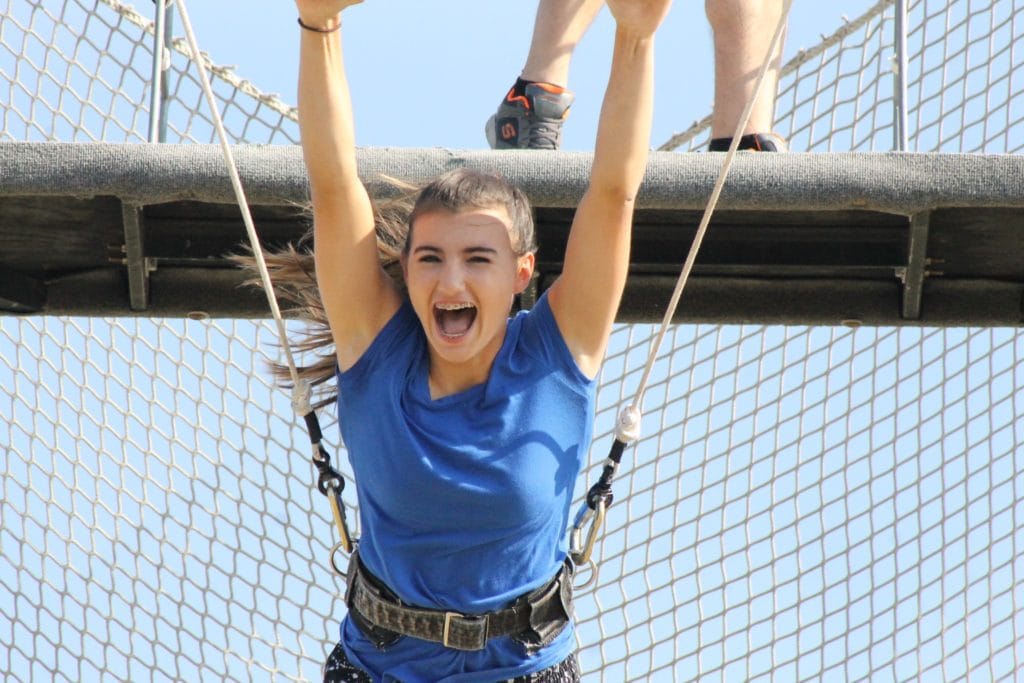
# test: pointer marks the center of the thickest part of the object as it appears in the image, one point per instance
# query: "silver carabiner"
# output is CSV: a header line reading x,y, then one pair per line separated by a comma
x,y
338,511
581,551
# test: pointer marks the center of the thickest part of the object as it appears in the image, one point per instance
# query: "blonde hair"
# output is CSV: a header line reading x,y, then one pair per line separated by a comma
x,y
293,274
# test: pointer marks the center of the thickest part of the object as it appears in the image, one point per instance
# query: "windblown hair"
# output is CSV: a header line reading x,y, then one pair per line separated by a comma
x,y
293,273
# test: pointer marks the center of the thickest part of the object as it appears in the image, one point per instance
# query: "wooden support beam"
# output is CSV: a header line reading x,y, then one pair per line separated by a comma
x,y
135,261
916,270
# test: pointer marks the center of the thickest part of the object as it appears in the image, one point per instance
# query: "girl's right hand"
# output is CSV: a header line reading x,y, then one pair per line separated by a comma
x,y
321,12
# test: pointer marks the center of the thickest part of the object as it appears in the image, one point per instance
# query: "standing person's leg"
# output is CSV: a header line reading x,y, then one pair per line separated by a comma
x,y
743,31
531,114
557,29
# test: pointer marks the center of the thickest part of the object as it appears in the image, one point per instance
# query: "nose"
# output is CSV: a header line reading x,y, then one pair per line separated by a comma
x,y
452,277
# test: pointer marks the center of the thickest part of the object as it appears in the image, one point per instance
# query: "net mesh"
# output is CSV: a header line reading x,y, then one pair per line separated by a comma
x,y
81,71
805,503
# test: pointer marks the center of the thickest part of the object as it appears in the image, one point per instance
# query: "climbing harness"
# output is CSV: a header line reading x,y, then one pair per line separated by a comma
x,y
627,426
330,482
533,619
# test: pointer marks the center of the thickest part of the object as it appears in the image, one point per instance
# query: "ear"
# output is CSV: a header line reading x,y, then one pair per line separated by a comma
x,y
404,260
524,271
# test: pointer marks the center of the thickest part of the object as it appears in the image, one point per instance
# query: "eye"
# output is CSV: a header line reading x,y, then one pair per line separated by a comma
x,y
429,258
479,259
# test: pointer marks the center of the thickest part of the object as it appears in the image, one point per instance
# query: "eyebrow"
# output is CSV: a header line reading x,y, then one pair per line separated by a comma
x,y
468,250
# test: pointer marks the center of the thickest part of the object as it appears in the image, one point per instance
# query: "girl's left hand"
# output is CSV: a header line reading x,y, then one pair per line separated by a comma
x,y
321,12
641,17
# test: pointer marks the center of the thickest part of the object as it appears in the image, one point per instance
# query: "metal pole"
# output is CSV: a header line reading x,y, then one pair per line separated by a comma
x,y
901,140
165,96
158,92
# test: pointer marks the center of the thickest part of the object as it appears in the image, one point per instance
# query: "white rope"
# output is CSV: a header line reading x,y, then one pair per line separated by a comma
x,y
243,204
634,410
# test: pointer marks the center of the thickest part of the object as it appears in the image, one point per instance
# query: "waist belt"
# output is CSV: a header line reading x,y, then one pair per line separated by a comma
x,y
533,619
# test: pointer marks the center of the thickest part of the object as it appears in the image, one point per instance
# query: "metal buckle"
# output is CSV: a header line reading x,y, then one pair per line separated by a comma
x,y
469,623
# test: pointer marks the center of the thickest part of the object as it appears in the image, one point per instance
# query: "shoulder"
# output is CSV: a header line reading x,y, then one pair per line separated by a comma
x,y
400,337
535,326
535,333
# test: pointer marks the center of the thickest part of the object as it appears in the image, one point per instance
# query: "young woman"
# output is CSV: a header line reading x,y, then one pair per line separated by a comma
x,y
466,429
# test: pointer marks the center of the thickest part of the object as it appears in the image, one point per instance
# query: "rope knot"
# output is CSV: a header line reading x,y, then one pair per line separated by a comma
x,y
301,393
627,426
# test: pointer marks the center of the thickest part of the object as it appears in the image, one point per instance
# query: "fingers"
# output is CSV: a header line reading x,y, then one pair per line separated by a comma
x,y
322,12
639,16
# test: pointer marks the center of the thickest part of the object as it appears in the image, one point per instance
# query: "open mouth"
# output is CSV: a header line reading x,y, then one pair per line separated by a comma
x,y
454,320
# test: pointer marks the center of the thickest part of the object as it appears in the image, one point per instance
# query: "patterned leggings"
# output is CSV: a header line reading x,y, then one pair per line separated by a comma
x,y
339,670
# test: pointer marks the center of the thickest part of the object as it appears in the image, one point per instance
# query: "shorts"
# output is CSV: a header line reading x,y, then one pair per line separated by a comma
x,y
340,670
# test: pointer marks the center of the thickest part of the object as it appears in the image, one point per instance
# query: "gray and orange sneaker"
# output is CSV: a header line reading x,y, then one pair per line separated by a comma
x,y
754,142
530,117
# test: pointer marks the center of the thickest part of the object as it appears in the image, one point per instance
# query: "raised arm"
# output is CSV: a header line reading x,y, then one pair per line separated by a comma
x,y
358,296
586,296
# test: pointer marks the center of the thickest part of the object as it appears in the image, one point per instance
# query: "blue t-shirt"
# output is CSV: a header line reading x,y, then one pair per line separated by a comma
x,y
464,501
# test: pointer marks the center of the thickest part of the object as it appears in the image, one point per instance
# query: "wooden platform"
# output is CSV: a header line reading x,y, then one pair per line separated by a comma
x,y
875,239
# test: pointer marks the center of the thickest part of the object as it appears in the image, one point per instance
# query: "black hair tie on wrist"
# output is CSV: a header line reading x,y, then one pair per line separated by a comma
x,y
314,29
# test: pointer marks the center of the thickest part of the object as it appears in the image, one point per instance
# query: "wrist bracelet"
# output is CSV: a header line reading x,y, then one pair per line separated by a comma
x,y
314,29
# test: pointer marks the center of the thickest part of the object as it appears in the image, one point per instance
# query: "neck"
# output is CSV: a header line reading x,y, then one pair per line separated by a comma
x,y
446,377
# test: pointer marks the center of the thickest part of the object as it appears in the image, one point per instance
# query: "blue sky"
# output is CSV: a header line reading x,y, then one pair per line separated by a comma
x,y
428,74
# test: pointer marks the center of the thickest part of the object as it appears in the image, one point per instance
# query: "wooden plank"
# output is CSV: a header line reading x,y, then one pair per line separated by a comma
x,y
977,243
51,234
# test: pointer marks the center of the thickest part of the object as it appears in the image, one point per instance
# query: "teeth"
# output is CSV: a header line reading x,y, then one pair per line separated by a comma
x,y
453,307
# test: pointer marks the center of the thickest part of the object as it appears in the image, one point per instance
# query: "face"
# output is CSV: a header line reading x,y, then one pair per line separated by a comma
x,y
462,275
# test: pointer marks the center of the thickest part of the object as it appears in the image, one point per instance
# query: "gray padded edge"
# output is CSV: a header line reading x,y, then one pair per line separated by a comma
x,y
901,183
